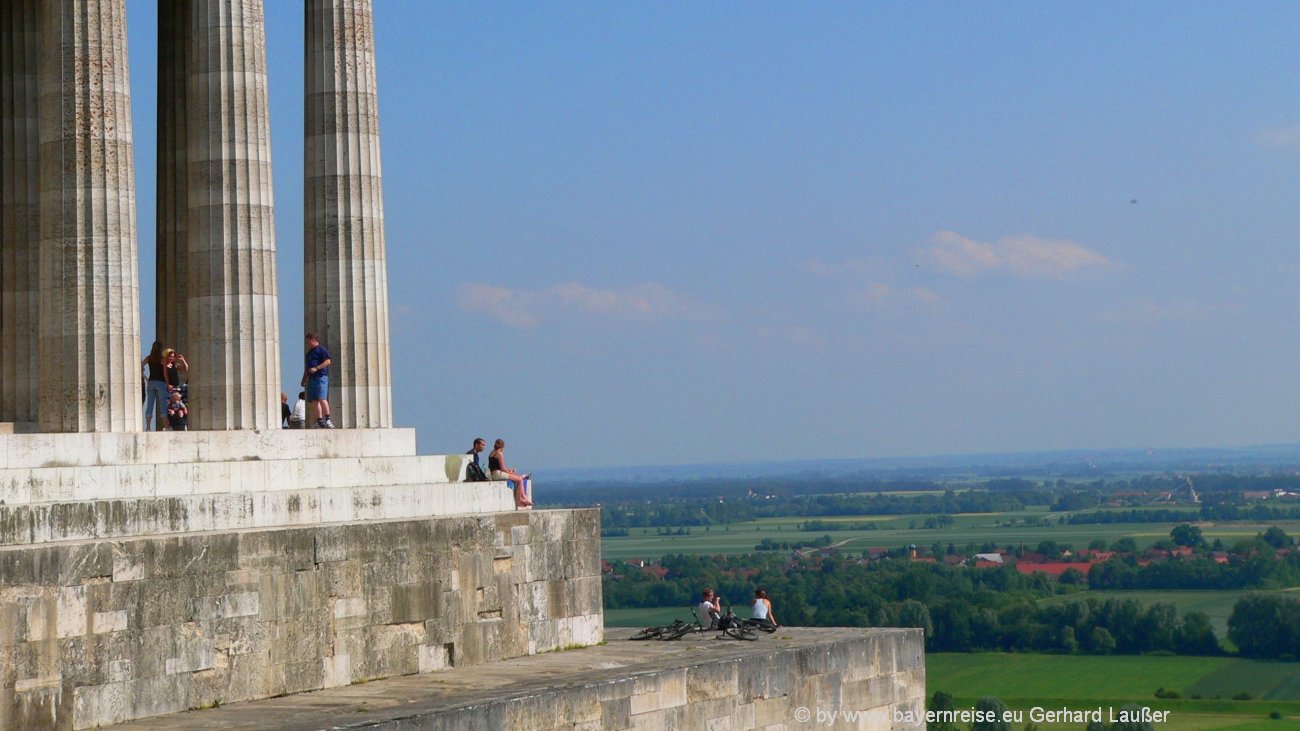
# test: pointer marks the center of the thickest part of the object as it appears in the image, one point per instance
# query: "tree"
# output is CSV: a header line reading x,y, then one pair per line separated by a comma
x,y
941,703
991,712
915,614
1187,535
1125,545
1196,635
1263,625
1276,537
1101,641
1073,576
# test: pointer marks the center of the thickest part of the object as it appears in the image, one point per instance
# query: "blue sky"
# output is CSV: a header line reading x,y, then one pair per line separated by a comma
x,y
664,233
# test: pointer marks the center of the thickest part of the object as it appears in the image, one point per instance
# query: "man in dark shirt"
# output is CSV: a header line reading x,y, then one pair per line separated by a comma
x,y
317,380
474,471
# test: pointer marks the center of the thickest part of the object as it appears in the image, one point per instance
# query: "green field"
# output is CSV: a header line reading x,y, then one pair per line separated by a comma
x,y
1083,682
896,531
648,617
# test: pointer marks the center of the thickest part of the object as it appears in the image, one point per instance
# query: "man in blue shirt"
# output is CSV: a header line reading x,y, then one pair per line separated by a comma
x,y
317,380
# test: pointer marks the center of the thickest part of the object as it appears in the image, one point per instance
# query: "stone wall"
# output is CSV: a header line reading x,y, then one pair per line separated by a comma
x,y
99,632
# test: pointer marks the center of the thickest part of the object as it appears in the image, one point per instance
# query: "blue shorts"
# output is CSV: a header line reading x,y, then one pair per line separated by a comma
x,y
318,388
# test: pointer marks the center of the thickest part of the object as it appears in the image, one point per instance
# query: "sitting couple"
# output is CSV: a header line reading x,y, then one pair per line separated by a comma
x,y
497,469
760,611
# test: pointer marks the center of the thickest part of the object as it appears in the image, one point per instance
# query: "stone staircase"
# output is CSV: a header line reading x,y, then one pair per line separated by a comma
x,y
61,487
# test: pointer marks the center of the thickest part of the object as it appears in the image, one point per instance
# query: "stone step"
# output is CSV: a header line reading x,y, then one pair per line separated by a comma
x,y
23,486
41,523
76,450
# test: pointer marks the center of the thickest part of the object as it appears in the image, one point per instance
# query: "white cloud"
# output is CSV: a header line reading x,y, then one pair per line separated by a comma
x,y
1278,138
882,292
1024,256
526,308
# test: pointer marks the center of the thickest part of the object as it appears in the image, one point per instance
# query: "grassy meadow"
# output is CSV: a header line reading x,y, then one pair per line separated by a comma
x,y
1084,682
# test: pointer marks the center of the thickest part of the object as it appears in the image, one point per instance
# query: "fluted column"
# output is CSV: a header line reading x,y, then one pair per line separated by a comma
x,y
233,318
89,282
171,273
346,285
19,209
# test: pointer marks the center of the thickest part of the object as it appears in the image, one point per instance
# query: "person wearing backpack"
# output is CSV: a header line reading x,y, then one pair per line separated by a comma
x,y
474,470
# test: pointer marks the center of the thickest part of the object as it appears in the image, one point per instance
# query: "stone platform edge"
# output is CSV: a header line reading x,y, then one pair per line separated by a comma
x,y
869,679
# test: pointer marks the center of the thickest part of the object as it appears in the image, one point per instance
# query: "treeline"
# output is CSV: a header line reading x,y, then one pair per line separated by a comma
x,y
1257,571
767,544
722,512
961,610
1266,626
1218,512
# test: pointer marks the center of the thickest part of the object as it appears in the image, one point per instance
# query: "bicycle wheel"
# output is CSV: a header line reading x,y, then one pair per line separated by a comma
x,y
649,633
740,632
676,633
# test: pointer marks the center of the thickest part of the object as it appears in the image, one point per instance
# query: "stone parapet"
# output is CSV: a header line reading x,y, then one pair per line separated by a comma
x,y
101,632
24,451
870,680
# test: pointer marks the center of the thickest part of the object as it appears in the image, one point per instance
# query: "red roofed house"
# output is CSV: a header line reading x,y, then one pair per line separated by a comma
x,y
1052,568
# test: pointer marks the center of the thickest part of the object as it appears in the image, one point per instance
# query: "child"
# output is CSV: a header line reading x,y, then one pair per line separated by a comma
x,y
176,412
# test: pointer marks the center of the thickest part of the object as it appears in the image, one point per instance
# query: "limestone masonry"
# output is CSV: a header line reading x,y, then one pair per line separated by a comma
x,y
152,573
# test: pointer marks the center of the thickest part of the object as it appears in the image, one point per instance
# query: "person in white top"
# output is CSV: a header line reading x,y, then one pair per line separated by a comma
x,y
298,418
762,608
710,608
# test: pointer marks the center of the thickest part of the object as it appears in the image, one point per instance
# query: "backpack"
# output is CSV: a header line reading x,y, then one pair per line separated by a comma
x,y
474,473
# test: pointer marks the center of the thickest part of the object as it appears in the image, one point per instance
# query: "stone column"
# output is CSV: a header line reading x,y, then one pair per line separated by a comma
x,y
89,283
19,209
233,318
345,268
172,278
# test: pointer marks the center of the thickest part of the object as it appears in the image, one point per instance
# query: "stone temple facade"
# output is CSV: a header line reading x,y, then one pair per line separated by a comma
x,y
69,278
151,573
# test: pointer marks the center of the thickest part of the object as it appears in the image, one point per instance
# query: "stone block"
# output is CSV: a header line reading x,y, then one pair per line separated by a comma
x,y
414,602
710,681
616,713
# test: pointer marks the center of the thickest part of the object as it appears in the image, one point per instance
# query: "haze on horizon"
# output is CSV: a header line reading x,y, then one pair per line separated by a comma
x,y
631,235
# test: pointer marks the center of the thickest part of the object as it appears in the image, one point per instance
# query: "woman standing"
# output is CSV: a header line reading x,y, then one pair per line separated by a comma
x,y
155,392
498,470
175,366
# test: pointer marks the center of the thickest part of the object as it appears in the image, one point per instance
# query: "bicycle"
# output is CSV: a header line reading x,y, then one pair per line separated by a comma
x,y
675,631
738,629
657,633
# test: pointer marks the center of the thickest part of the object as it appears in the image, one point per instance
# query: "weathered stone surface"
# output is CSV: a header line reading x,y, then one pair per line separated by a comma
x,y
104,631
345,264
233,314
19,210
692,684
89,283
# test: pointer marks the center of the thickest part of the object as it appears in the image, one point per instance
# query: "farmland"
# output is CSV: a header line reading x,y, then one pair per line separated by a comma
x,y
893,531
1206,686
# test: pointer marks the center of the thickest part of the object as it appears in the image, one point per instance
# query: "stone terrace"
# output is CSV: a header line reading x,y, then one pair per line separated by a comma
x,y
700,683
